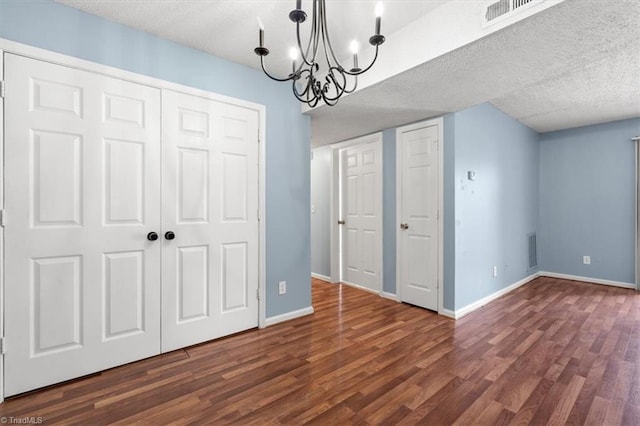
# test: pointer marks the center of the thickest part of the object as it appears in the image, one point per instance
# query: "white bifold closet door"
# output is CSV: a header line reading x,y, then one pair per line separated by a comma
x,y
82,183
93,165
210,198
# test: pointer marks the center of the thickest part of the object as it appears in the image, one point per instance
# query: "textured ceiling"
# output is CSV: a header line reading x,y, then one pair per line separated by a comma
x,y
576,63
228,28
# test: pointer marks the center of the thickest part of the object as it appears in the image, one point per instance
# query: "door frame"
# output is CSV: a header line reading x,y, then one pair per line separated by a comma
x,y
2,225
334,183
636,141
8,46
440,186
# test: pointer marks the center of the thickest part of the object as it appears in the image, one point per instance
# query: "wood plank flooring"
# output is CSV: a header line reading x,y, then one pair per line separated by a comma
x,y
551,352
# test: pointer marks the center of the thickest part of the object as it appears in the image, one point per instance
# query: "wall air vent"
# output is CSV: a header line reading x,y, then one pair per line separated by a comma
x,y
497,10
533,251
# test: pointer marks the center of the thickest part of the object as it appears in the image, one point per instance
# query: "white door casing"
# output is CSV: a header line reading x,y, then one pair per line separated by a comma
x,y
419,201
82,182
210,196
636,141
2,297
361,211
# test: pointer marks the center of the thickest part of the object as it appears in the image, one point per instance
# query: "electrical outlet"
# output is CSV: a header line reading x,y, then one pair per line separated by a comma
x,y
586,260
495,271
282,287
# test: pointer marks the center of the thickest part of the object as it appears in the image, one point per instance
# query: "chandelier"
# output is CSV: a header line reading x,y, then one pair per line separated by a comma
x,y
311,81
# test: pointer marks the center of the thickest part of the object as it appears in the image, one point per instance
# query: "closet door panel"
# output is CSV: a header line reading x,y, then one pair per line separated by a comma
x,y
82,182
210,188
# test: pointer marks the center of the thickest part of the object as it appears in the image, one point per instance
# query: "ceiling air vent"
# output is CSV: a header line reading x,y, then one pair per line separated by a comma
x,y
503,8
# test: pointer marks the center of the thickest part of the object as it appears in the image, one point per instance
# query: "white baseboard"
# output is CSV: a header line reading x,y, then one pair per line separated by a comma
x,y
459,313
288,316
389,296
359,287
447,313
588,280
321,277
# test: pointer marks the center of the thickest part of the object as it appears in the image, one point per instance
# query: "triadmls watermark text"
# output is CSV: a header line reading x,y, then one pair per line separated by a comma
x,y
26,420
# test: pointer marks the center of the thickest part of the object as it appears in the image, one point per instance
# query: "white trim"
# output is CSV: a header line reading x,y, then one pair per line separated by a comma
x,y
262,215
459,313
390,296
637,148
448,313
587,280
334,214
2,229
321,277
360,287
289,316
399,131
73,62
96,68
374,138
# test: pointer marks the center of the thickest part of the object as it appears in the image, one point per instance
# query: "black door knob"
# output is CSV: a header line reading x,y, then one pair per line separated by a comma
x,y
152,236
169,235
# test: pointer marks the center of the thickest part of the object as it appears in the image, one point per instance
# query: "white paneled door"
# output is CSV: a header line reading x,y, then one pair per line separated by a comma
x,y
418,215
210,196
82,180
131,221
361,215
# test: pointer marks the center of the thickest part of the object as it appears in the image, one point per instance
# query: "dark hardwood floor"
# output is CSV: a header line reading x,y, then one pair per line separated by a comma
x,y
551,352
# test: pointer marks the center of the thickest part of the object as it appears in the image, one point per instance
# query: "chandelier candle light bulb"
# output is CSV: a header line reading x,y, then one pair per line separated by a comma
x,y
260,32
319,76
354,50
293,54
379,11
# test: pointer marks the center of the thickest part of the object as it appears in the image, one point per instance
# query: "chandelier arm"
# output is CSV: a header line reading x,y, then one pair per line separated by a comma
x,y
375,57
330,101
303,53
306,86
355,85
340,89
315,28
313,100
269,75
325,35
295,93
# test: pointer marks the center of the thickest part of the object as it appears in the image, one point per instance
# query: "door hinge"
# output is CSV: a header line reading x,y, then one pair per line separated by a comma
x,y
258,293
258,213
3,345
3,217
2,89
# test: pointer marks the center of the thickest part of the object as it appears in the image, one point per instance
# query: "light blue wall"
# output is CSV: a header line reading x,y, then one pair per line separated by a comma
x,y
321,219
52,26
587,187
495,212
449,209
389,211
